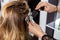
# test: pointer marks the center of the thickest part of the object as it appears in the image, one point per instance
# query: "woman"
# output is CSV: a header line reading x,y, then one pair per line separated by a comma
x,y
12,23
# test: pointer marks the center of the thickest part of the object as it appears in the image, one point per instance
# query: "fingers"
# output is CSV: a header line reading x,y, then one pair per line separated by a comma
x,y
34,24
41,4
35,29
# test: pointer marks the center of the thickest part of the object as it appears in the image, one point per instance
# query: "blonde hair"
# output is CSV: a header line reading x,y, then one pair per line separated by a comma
x,y
13,26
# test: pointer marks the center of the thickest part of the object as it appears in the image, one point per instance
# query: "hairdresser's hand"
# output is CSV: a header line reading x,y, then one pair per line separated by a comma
x,y
35,29
47,7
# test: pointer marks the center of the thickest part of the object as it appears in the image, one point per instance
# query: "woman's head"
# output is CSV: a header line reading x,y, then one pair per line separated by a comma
x,y
19,7
13,25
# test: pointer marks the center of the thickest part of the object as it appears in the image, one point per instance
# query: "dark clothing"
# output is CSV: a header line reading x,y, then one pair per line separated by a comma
x,y
33,3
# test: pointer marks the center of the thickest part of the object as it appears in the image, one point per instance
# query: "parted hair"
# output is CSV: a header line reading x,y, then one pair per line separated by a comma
x,y
12,24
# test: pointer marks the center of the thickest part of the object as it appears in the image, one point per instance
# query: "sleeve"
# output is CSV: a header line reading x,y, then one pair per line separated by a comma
x,y
47,37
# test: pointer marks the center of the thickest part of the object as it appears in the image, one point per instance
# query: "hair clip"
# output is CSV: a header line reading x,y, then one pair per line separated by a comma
x,y
31,15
